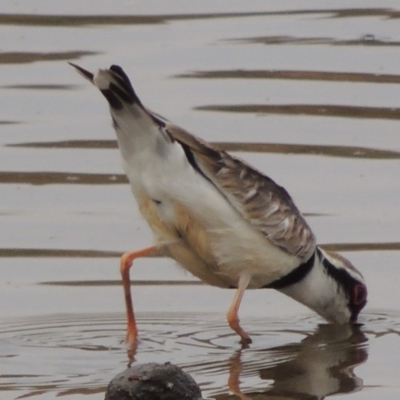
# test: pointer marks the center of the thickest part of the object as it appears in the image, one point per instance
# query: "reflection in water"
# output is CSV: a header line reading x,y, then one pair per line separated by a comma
x,y
28,57
366,40
57,253
82,20
325,150
324,110
80,353
293,75
40,87
136,283
78,253
252,147
362,246
49,178
5,122
322,365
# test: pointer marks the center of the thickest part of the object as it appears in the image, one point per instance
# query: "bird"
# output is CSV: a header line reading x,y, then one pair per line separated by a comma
x,y
219,218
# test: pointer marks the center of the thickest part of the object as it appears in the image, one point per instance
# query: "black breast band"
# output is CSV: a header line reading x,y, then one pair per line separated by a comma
x,y
293,277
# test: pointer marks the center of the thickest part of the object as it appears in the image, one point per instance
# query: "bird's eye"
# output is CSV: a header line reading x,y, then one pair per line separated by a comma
x,y
360,294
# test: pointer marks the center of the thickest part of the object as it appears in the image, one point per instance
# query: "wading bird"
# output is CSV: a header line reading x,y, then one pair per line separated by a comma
x,y
219,218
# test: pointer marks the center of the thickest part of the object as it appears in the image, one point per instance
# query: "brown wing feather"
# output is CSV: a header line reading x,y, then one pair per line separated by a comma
x,y
264,204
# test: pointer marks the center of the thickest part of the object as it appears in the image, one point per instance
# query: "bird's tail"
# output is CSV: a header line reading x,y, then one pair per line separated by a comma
x,y
114,84
137,128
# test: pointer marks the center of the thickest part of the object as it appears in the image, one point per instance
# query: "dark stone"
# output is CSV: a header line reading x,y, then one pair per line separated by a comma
x,y
153,382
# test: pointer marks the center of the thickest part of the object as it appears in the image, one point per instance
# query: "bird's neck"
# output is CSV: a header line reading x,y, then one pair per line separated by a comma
x,y
319,291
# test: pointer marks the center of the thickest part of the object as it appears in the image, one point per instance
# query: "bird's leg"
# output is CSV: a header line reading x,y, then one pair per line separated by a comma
x,y
232,316
126,263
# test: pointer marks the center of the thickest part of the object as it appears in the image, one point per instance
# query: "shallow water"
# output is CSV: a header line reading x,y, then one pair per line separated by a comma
x,y
309,95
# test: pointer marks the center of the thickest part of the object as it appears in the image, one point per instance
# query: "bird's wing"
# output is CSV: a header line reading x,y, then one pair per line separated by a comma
x,y
258,199
264,204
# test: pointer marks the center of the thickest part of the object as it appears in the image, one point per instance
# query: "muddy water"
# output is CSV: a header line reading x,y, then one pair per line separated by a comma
x,y
309,95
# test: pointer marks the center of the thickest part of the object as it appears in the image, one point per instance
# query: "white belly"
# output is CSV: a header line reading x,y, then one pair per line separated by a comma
x,y
202,231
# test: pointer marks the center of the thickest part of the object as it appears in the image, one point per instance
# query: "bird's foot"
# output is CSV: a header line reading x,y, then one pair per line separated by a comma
x,y
245,341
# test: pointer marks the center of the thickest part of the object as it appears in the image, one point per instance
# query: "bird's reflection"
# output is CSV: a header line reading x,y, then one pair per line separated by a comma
x,y
319,366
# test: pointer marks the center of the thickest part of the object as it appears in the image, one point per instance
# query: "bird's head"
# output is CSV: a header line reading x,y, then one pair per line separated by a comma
x,y
333,288
347,283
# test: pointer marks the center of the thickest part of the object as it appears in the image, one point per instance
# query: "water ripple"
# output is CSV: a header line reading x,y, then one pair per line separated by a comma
x,y
80,253
252,147
113,19
323,110
80,353
330,76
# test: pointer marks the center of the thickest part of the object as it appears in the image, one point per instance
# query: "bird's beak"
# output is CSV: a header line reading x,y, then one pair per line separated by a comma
x,y
86,74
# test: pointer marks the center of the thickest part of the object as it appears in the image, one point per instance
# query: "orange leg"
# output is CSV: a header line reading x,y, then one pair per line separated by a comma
x,y
232,317
126,263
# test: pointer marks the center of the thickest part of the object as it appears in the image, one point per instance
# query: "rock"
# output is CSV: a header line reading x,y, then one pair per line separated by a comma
x,y
153,382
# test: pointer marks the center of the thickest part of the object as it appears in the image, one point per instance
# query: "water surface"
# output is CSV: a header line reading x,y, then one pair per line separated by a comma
x,y
308,94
